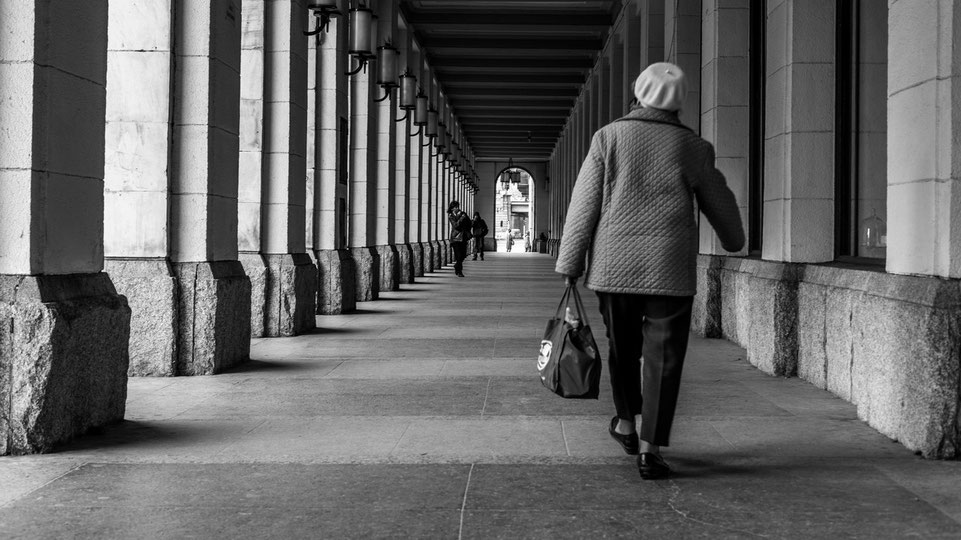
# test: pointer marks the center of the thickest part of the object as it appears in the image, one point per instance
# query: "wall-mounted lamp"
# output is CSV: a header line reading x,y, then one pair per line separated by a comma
x,y
323,10
408,97
430,128
387,56
359,44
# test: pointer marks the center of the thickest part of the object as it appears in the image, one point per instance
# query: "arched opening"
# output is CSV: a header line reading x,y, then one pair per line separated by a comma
x,y
514,210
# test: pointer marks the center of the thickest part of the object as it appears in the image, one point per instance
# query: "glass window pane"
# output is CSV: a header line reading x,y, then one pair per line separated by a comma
x,y
871,128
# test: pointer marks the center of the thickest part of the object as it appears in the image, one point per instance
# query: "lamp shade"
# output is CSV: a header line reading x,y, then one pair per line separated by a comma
x,y
420,110
439,140
322,5
387,56
360,32
408,96
432,122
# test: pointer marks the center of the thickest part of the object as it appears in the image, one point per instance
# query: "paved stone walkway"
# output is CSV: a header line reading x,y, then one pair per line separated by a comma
x,y
421,416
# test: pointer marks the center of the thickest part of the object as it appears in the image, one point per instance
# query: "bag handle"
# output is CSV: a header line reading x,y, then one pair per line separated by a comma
x,y
565,299
581,312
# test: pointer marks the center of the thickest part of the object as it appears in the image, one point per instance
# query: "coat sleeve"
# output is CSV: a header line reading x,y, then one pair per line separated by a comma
x,y
583,212
718,204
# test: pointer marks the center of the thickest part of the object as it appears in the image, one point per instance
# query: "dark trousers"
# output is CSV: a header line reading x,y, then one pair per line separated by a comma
x,y
655,328
479,247
460,253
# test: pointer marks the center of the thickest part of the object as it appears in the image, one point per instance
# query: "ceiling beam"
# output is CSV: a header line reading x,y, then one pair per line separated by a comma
x,y
463,79
511,91
498,41
512,64
511,103
531,20
512,113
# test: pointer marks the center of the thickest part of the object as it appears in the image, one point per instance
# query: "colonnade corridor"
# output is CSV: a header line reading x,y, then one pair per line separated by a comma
x,y
421,416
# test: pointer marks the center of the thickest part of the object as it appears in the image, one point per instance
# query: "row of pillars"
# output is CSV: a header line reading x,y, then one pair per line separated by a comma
x,y
177,177
710,41
636,40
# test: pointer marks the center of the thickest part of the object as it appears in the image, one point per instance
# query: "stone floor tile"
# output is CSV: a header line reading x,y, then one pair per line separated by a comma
x,y
323,439
482,439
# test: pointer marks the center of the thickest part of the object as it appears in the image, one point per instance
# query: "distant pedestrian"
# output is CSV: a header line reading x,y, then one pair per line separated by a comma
x,y
478,228
632,208
460,227
527,242
508,239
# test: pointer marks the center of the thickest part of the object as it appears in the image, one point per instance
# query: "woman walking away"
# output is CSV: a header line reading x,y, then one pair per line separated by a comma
x,y
633,208
479,231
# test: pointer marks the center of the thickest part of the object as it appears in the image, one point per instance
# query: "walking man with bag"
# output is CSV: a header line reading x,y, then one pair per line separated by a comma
x,y
632,208
460,233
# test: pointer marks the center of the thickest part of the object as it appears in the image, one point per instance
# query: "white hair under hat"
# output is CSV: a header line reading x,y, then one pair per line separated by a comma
x,y
661,86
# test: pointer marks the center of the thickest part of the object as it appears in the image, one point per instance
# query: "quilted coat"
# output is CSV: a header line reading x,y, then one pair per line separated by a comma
x,y
632,211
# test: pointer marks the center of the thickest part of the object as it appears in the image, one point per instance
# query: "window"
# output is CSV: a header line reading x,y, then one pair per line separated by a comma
x,y
758,79
861,131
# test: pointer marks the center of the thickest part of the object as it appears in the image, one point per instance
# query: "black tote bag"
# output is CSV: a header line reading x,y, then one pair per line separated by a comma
x,y
569,363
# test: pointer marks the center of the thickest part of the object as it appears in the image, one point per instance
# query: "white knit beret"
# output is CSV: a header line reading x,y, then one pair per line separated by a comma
x,y
661,86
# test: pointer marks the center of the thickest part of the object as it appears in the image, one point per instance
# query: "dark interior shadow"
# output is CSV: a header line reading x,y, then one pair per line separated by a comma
x,y
369,312
260,366
127,432
329,331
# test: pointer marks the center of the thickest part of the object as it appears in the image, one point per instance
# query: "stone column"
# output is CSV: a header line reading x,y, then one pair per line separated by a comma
x,y
417,173
427,181
251,163
618,78
725,119
682,46
652,38
725,98
291,291
384,158
63,348
799,132
631,52
335,266
403,148
136,180
924,127
214,295
363,182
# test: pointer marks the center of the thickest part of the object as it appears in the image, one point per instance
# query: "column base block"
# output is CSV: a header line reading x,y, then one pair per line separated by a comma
x,y
405,264
63,358
291,299
213,315
151,291
417,259
446,258
389,268
256,269
336,282
438,254
427,248
367,264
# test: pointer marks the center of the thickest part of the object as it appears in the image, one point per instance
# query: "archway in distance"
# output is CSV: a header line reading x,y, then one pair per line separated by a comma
x,y
513,209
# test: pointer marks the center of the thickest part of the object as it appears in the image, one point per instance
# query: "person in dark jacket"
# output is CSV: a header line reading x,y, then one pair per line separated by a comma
x,y
632,208
460,233
479,231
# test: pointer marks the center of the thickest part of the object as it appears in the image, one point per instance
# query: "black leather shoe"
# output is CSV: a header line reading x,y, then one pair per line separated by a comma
x,y
652,467
629,443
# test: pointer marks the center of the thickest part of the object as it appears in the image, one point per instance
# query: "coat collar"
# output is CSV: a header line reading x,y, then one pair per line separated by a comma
x,y
656,115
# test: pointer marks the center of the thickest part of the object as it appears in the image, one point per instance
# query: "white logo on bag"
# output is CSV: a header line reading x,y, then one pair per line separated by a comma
x,y
545,355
